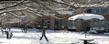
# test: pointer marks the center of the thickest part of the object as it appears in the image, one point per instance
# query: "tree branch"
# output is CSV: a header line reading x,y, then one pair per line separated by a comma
x,y
12,10
45,7
31,11
12,5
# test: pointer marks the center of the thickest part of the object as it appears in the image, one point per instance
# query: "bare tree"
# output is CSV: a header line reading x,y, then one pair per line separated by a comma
x,y
48,7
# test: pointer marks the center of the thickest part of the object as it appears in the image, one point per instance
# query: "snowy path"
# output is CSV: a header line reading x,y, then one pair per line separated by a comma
x,y
58,37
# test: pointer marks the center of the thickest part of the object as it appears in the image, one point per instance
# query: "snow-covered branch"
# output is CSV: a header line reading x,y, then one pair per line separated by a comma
x,y
12,5
45,7
5,11
30,10
63,3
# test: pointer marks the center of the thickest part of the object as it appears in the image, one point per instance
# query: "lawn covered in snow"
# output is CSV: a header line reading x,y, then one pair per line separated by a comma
x,y
55,37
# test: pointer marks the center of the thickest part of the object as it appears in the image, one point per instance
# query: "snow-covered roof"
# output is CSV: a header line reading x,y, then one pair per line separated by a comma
x,y
86,16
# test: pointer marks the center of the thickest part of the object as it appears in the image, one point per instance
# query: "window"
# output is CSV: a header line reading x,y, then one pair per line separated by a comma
x,y
101,10
89,11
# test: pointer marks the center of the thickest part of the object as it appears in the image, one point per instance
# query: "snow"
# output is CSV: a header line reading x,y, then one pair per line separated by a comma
x,y
66,12
55,37
3,14
86,16
60,1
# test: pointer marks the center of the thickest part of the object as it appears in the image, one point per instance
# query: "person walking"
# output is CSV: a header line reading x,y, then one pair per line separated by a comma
x,y
8,33
44,26
43,35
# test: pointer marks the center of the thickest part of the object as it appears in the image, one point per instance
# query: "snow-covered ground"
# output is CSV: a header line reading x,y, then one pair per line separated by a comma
x,y
55,37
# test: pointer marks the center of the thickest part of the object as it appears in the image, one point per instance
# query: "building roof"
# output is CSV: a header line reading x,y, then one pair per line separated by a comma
x,y
86,16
